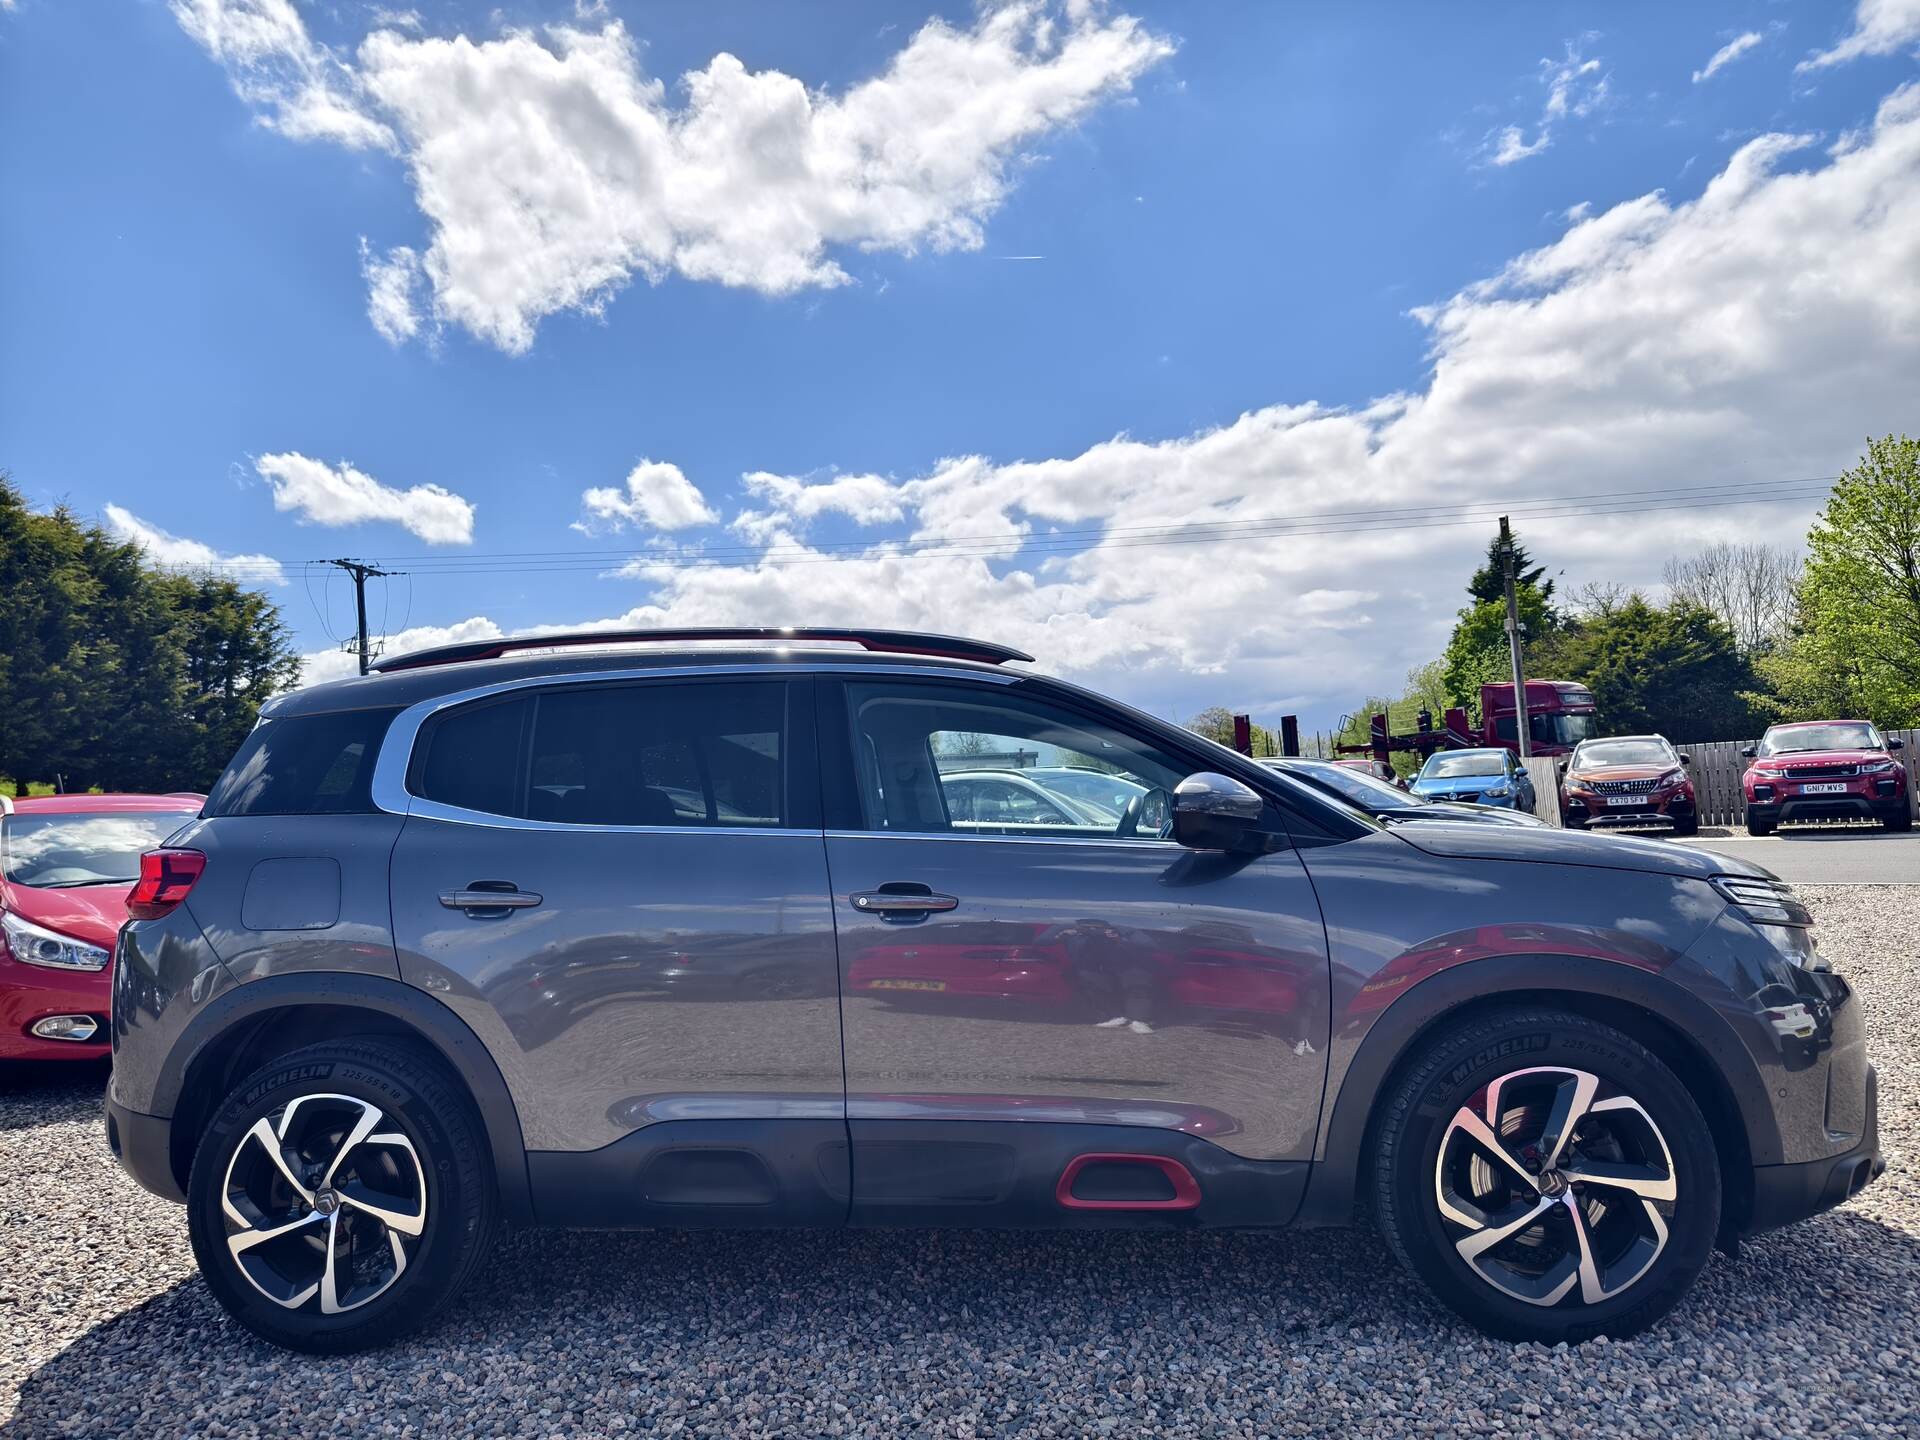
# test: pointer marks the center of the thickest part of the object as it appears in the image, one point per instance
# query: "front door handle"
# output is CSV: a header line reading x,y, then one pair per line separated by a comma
x,y
901,904
489,899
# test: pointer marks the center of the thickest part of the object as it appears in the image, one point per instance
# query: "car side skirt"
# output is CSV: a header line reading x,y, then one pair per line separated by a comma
x,y
702,1174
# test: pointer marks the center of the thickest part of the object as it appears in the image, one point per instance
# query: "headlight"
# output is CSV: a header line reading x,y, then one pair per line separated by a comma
x,y
1765,902
33,945
1671,779
1497,791
1879,767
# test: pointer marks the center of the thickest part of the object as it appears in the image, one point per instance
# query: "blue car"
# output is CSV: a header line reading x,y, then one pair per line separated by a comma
x,y
1476,777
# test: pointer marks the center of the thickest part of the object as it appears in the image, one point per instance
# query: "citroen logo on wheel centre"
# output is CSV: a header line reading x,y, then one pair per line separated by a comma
x,y
326,1202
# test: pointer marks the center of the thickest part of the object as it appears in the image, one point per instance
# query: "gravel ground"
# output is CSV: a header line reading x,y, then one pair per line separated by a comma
x,y
104,1328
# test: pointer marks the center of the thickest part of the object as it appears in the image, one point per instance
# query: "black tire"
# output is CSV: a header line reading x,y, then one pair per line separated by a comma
x,y
1898,819
1759,825
1574,822
1454,1070
418,1100
1686,824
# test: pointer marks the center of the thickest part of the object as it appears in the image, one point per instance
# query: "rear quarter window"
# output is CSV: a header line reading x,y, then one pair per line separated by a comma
x,y
303,765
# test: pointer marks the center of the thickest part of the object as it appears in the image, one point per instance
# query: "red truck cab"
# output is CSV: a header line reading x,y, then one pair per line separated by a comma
x,y
1560,714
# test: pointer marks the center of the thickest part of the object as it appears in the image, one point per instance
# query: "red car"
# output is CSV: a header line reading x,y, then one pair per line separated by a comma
x,y
1825,770
1628,780
67,863
1379,769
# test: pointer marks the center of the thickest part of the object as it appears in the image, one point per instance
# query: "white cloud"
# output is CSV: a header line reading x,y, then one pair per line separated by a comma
x,y
304,89
1576,87
177,551
1880,27
323,494
657,494
1727,54
552,168
792,503
392,283
1757,333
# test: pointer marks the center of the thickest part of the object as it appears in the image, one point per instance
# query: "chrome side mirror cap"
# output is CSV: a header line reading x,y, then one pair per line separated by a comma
x,y
1214,812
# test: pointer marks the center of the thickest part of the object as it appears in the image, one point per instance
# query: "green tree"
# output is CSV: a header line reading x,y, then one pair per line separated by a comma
x,y
1854,647
1489,581
114,674
1675,671
1477,654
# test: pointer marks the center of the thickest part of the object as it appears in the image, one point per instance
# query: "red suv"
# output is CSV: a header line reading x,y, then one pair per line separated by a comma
x,y
67,863
1825,770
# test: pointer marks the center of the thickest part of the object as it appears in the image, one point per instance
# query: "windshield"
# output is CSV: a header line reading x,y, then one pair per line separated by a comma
x,y
77,848
1091,788
1837,735
1626,752
1467,762
1370,792
1555,729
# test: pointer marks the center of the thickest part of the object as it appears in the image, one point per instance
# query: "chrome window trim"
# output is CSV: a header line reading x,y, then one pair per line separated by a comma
x,y
1002,839
389,791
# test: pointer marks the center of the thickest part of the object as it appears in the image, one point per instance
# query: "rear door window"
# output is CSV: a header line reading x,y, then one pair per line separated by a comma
x,y
303,765
709,753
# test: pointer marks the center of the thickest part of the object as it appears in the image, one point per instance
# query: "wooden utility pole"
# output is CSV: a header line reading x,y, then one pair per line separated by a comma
x,y
362,572
1522,727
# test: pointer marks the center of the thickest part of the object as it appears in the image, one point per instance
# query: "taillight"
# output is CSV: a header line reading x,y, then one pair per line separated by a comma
x,y
165,878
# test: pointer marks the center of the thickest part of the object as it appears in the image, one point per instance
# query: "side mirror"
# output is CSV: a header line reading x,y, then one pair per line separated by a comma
x,y
1894,742
1685,759
1214,812
1749,751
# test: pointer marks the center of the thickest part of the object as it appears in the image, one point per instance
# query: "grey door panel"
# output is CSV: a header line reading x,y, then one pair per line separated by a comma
x,y
1002,1007
663,975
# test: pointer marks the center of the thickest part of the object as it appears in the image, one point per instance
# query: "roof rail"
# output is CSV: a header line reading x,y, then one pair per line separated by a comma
x,y
890,642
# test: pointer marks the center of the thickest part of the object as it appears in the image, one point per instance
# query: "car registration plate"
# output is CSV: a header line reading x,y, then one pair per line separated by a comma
x,y
1626,799
907,985
1824,789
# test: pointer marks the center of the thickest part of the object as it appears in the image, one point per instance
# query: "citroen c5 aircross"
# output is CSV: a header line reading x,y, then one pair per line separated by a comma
x,y
805,928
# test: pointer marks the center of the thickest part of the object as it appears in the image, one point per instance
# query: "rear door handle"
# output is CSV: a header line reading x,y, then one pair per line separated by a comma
x,y
485,898
902,903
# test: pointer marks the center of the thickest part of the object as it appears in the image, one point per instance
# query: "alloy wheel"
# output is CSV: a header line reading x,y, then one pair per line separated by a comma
x,y
1551,1186
325,1199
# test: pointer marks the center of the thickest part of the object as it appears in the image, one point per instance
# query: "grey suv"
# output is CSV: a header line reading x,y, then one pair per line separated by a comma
x,y
664,934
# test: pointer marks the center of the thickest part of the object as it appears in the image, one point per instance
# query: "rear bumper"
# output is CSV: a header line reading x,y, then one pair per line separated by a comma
x,y
143,1144
1783,1194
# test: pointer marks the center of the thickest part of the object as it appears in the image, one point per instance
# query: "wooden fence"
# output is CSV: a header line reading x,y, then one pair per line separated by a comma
x,y
1717,765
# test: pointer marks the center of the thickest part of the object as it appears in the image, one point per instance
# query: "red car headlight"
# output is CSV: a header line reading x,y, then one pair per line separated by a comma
x,y
33,944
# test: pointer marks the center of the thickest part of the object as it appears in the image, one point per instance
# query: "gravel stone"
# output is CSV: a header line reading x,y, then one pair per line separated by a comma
x,y
106,1330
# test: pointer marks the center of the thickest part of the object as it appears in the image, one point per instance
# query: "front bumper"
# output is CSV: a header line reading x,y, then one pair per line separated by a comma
x,y
29,993
1865,797
1646,809
143,1144
1783,1194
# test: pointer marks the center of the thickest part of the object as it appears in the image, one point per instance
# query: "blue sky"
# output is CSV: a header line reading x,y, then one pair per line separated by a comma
x,y
1239,210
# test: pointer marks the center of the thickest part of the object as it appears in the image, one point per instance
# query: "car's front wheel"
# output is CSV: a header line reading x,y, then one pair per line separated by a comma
x,y
1546,1176
1899,817
1758,823
341,1196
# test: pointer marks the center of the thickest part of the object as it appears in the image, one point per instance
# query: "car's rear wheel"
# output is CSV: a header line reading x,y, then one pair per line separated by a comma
x,y
1546,1176
341,1196
1758,824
